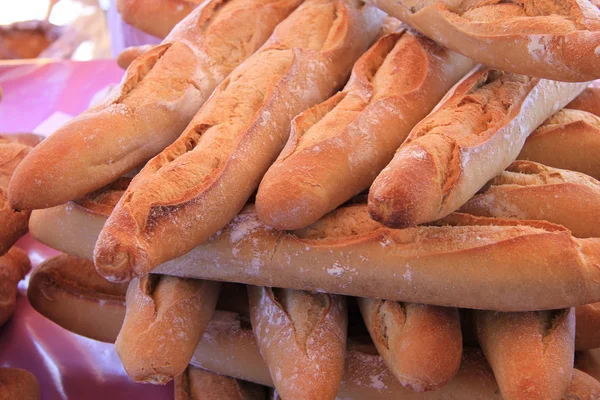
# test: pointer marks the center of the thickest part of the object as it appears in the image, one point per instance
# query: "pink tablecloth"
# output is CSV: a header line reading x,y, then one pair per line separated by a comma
x,y
67,366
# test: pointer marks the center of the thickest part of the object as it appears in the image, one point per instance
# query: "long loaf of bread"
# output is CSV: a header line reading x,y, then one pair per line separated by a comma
x,y
14,265
199,183
530,353
199,384
474,133
588,100
587,334
589,362
548,39
338,147
159,95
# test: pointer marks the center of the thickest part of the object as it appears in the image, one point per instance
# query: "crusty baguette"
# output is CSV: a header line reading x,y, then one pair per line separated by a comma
x,y
14,265
553,39
420,344
177,200
587,334
474,133
18,384
68,291
527,190
200,384
27,139
126,57
338,147
156,17
13,223
582,387
570,139
589,362
588,100
159,95
302,337
530,353
165,319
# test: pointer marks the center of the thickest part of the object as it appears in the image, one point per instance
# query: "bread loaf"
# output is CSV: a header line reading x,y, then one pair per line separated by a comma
x,y
156,17
338,147
588,100
589,362
549,39
527,190
473,134
14,265
177,200
302,338
530,353
587,334
164,322
159,95
126,57
18,384
199,384
570,139
420,344
27,139
68,291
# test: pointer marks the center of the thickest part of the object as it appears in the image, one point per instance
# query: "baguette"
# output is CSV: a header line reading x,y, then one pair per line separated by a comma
x,y
156,17
27,139
14,265
548,39
588,100
530,353
338,147
570,139
159,95
420,344
18,384
199,384
540,264
589,362
587,335
165,319
126,57
177,200
308,328
526,190
68,291
475,132
14,223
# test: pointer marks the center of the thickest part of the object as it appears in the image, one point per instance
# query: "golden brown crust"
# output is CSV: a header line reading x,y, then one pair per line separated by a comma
x,y
234,138
338,147
588,100
27,139
530,353
68,291
126,57
552,39
308,328
159,95
527,190
587,334
199,384
156,17
14,265
420,344
570,139
582,387
164,322
18,384
473,134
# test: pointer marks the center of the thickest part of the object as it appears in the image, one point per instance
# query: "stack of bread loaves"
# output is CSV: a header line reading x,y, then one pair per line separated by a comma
x,y
471,269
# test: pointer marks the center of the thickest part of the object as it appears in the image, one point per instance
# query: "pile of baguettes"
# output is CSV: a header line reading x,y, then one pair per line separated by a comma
x,y
240,104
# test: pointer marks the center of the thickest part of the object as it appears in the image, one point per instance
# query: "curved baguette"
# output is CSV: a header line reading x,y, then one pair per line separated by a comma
x,y
126,57
527,190
530,353
68,291
14,265
199,384
588,100
302,338
589,362
549,39
338,147
156,17
13,223
570,139
165,319
176,201
587,334
159,95
475,132
420,344
18,384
